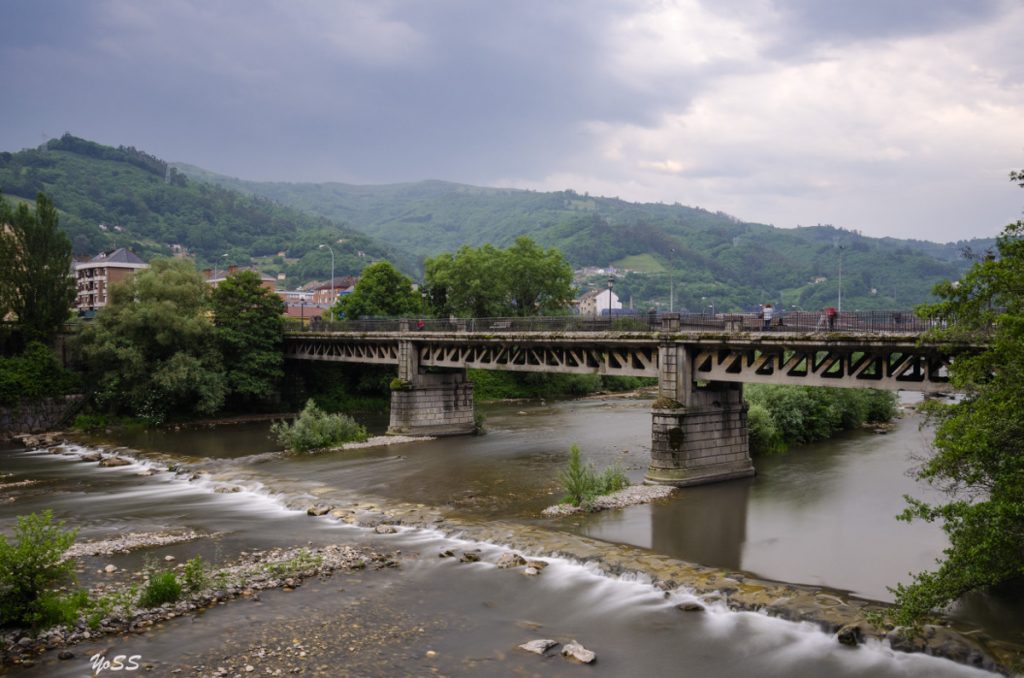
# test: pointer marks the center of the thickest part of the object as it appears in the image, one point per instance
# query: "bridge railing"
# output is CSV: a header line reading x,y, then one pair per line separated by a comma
x,y
902,322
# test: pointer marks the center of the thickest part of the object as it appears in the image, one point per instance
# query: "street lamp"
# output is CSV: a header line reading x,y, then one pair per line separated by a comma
x,y
611,281
840,309
671,280
332,271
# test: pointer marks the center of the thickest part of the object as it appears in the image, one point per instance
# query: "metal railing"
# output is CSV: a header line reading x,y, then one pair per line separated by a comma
x,y
869,322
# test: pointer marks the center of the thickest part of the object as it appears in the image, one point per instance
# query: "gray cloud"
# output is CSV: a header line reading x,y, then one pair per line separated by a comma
x,y
789,112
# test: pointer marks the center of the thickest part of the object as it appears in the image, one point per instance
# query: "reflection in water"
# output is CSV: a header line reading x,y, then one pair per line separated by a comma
x,y
819,514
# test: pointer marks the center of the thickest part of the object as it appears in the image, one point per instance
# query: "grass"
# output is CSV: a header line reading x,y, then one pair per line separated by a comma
x,y
582,484
641,263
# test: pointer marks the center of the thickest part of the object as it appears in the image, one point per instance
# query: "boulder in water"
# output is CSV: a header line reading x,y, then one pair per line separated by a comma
x,y
539,646
578,653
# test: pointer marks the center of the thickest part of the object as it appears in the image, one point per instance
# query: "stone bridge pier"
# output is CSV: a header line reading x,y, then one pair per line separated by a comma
x,y
438,403
698,432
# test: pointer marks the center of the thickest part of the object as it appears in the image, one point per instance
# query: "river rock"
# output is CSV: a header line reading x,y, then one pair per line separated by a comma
x,y
851,634
110,569
65,654
470,556
317,510
539,646
531,571
691,607
941,642
577,652
508,560
385,529
91,456
114,461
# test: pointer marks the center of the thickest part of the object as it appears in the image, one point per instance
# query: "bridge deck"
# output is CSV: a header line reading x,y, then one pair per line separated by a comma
x,y
888,360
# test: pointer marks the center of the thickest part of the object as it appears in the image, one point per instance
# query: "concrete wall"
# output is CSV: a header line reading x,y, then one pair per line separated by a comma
x,y
433,404
702,443
42,415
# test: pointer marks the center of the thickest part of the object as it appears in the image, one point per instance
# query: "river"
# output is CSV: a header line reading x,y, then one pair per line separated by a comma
x,y
822,514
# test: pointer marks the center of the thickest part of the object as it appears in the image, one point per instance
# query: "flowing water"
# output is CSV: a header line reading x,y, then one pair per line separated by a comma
x,y
822,514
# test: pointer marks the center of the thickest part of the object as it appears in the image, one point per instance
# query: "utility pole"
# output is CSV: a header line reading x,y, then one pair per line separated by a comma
x,y
840,308
333,299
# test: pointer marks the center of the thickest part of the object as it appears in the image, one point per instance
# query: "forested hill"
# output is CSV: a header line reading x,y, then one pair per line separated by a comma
x,y
110,197
711,255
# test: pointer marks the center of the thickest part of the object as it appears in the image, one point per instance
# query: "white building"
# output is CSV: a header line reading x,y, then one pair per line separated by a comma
x,y
598,302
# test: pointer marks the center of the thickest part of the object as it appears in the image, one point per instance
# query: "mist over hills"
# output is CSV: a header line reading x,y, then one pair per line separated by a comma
x,y
125,197
711,256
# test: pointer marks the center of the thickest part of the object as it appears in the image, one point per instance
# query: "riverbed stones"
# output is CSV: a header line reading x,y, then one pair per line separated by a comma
x,y
110,462
576,652
470,556
385,529
509,560
691,606
539,646
317,510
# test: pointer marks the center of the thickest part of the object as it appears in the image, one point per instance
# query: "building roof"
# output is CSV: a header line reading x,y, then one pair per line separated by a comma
x,y
121,255
344,282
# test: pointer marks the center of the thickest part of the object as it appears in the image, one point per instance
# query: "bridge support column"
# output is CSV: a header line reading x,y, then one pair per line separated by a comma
x,y
433,404
698,434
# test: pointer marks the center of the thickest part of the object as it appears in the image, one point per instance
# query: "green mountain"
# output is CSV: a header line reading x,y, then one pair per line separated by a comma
x,y
706,257
113,197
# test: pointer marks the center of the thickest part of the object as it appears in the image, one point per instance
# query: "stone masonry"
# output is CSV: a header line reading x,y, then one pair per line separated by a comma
x,y
698,433
434,404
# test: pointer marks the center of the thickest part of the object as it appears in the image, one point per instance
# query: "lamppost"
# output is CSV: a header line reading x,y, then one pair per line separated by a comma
x,y
703,305
332,271
611,281
671,280
840,308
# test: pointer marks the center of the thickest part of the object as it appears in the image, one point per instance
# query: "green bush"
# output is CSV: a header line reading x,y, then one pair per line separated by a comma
x,y
162,587
764,436
34,374
804,414
54,608
582,484
194,575
31,567
314,429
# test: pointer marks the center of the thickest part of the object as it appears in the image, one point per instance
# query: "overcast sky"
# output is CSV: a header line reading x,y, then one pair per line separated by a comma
x,y
893,117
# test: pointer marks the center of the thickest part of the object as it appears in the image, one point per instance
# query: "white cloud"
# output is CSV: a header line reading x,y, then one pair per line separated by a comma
x,y
880,136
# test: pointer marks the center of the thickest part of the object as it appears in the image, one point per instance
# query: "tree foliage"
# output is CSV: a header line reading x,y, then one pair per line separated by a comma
x,y
979,441
36,284
381,291
153,350
521,280
31,567
249,327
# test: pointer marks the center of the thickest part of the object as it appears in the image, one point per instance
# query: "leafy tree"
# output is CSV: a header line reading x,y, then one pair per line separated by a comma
x,y
467,283
979,441
36,284
485,282
539,281
381,291
249,329
153,350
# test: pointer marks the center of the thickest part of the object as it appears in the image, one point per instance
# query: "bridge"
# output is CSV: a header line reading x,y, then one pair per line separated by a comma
x,y
699,419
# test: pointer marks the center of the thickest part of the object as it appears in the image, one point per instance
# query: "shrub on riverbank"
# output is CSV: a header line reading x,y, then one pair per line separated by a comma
x,y
315,429
32,568
162,587
34,374
582,484
782,415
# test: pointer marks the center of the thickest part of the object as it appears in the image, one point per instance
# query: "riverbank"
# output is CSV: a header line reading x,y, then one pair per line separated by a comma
x,y
695,587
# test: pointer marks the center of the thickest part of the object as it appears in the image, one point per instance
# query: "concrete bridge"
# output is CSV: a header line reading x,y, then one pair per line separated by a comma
x,y
699,419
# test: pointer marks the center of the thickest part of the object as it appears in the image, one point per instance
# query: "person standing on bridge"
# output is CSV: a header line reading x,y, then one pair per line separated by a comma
x,y
767,315
830,315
